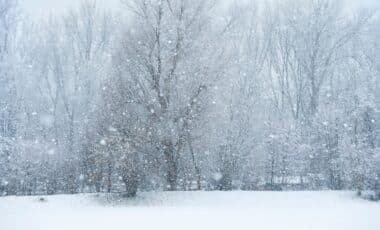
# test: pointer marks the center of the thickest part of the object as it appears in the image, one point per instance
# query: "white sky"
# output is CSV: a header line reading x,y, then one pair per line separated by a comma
x,y
41,8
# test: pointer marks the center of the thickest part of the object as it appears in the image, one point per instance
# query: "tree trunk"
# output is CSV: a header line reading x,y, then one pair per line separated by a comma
x,y
171,159
196,167
130,174
109,176
130,186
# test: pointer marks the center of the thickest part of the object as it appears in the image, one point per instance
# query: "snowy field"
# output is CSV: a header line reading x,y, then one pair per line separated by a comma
x,y
192,210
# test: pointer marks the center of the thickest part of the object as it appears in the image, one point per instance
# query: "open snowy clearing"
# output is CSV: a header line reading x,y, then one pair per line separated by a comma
x,y
192,210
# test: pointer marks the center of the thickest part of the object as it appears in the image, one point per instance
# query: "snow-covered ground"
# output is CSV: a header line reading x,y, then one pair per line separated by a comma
x,y
192,210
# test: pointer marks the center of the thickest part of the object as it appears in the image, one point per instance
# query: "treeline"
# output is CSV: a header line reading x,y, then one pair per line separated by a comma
x,y
189,95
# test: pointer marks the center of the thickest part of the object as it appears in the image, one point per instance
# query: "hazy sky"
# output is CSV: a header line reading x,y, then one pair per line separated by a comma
x,y
46,7
42,8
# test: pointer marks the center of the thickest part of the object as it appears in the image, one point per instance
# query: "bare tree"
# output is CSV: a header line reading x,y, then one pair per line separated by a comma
x,y
165,59
9,96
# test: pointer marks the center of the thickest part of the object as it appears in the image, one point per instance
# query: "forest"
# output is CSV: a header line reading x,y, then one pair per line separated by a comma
x,y
180,95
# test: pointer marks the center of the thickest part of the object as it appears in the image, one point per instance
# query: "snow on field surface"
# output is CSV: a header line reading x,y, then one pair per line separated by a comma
x,y
192,210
